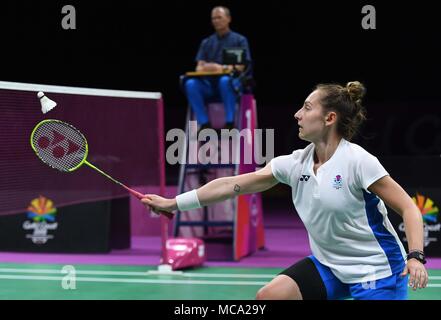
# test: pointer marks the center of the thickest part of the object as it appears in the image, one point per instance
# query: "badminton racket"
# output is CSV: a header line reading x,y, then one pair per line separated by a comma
x,y
62,146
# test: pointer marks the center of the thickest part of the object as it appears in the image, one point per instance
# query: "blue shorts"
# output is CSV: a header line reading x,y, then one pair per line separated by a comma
x,y
393,287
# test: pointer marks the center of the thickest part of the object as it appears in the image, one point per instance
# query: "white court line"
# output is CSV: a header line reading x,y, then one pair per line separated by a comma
x,y
120,280
227,275
146,281
146,273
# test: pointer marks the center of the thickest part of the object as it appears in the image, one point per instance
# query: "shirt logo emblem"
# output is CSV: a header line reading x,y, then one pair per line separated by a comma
x,y
338,182
304,178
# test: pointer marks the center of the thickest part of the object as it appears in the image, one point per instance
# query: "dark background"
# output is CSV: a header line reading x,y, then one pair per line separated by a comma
x,y
146,45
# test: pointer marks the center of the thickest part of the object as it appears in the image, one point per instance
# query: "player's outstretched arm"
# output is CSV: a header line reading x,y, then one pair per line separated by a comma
x,y
214,191
229,187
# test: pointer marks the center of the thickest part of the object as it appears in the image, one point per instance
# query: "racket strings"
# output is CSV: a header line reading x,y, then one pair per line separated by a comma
x,y
59,145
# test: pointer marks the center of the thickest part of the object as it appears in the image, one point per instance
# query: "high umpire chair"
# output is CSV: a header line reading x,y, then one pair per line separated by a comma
x,y
217,224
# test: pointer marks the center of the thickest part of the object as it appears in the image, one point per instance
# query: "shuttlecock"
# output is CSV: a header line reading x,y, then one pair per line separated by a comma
x,y
46,103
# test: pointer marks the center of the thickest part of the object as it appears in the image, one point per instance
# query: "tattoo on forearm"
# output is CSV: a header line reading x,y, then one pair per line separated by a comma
x,y
237,188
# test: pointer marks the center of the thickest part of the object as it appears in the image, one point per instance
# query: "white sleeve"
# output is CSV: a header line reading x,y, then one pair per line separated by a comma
x,y
369,170
283,166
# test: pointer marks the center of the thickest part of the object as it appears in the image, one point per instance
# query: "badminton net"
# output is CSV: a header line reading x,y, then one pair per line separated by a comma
x,y
124,131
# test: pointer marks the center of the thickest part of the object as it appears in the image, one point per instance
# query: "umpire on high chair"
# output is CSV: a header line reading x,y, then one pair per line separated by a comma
x,y
209,59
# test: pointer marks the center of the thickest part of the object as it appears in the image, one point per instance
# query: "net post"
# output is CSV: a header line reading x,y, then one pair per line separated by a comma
x,y
164,221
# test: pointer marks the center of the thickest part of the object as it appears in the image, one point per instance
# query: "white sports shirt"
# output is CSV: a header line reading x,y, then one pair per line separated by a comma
x,y
347,225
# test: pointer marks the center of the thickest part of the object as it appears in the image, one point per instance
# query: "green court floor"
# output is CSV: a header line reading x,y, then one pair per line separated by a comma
x,y
33,282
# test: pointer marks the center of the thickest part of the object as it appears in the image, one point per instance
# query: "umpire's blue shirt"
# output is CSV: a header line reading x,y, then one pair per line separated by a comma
x,y
211,47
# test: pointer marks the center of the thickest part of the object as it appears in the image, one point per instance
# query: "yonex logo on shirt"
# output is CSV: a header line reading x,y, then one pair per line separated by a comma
x,y
304,178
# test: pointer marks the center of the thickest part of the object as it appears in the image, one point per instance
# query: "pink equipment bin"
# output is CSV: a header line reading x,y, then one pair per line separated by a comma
x,y
185,252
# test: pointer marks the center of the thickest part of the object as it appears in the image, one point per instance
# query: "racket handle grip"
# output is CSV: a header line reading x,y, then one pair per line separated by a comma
x,y
135,193
140,196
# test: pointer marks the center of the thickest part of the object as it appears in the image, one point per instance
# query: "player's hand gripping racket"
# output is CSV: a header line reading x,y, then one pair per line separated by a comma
x,y
63,147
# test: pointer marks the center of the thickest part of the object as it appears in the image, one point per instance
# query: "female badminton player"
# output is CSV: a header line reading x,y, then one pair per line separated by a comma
x,y
339,191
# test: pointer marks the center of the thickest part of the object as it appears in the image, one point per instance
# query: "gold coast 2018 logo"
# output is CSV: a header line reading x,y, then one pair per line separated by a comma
x,y
41,218
427,208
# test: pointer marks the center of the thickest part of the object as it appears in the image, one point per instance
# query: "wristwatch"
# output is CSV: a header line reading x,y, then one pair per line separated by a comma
x,y
417,255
